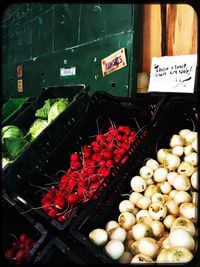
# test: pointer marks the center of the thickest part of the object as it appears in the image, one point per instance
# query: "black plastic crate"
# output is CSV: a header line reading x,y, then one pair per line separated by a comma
x,y
57,253
38,150
13,223
101,110
178,113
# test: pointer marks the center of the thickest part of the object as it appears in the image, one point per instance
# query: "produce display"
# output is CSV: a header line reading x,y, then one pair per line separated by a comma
x,y
15,141
158,221
20,249
87,171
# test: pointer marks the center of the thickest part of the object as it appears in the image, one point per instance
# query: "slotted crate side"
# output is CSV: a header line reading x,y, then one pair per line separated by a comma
x,y
16,222
177,114
12,108
37,151
101,111
57,252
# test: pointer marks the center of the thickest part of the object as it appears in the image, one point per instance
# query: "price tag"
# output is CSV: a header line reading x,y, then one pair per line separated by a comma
x,y
114,62
173,74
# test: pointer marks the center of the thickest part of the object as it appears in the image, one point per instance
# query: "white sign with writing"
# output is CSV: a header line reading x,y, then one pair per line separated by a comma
x,y
173,74
68,71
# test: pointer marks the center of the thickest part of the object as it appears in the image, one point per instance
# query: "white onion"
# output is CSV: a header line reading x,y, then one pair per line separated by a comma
x,y
141,258
152,163
182,196
158,197
189,210
143,216
118,233
126,205
126,220
178,255
194,180
176,140
184,223
157,228
186,168
181,182
162,153
98,236
182,238
183,132
111,224
192,158
168,221
172,194
140,230
162,256
165,187
160,174
195,197
138,184
157,211
134,196
171,176
114,249
151,189
178,151
171,162
146,172
172,208
188,149
190,137
148,246
143,203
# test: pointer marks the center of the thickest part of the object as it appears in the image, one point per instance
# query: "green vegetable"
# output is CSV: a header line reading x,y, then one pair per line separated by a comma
x,y
13,142
36,128
59,106
5,161
43,111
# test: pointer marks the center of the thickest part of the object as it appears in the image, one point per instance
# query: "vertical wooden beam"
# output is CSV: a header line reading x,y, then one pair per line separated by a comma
x,y
181,29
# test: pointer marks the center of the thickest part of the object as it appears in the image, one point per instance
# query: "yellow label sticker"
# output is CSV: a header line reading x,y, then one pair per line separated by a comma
x,y
20,86
114,62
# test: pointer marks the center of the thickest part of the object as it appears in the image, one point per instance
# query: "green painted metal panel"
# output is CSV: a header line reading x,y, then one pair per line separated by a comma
x,y
46,37
66,25
42,34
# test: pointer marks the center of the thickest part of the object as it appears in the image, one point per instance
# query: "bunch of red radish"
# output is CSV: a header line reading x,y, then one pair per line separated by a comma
x,y
88,169
20,249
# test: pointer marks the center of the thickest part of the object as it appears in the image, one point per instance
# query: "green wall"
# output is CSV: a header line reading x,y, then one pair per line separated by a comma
x,y
46,37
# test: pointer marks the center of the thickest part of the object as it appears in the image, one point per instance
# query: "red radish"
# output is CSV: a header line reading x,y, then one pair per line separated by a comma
x,y
103,172
124,159
91,163
59,202
74,157
133,133
102,163
20,256
90,170
121,151
76,165
96,157
94,178
52,213
118,137
107,154
46,205
72,183
72,199
109,138
110,163
131,139
23,237
81,191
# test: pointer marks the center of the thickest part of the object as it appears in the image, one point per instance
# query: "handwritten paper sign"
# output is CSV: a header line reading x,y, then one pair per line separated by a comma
x,y
114,62
173,74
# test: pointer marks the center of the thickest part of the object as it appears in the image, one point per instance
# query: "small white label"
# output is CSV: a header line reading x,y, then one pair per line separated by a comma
x,y
173,74
67,72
